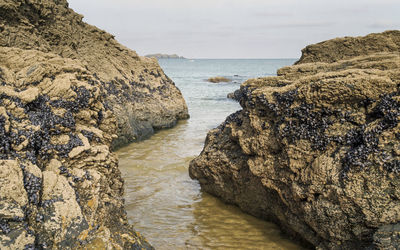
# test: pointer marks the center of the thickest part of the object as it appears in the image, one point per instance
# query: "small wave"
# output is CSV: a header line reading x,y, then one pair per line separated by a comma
x,y
213,99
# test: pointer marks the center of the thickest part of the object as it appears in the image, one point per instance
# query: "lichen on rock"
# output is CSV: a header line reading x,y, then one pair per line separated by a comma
x,y
60,186
316,148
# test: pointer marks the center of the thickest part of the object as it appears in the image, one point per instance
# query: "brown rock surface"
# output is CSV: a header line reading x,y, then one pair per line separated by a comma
x,y
60,186
218,79
141,96
349,47
316,149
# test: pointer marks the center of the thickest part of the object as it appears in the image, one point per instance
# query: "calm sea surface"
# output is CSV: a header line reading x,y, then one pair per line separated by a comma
x,y
162,202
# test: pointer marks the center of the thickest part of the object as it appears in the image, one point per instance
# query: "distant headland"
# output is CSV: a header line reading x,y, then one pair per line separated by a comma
x,y
165,56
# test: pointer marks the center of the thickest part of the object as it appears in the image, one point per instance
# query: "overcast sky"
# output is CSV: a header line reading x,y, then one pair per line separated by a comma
x,y
235,28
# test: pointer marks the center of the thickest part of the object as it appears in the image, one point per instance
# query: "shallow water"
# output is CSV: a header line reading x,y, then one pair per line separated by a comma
x,y
162,202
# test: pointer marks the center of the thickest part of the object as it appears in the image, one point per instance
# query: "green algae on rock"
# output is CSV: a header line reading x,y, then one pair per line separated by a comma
x,y
60,185
141,96
316,148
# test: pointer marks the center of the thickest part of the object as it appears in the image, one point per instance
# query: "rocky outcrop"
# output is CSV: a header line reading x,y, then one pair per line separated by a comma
x,y
69,93
316,149
165,56
60,186
348,47
141,96
218,79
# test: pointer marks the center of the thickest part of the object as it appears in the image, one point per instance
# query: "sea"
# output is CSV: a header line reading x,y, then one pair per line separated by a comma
x,y
162,202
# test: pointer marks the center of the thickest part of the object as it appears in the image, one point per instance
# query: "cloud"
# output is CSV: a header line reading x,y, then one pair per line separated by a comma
x,y
301,24
223,28
272,14
279,25
384,24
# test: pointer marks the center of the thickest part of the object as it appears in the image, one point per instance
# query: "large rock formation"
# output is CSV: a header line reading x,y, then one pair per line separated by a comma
x,y
316,149
68,90
60,186
349,47
141,96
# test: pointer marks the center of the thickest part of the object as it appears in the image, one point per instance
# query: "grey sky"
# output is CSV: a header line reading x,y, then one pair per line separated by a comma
x,y
235,28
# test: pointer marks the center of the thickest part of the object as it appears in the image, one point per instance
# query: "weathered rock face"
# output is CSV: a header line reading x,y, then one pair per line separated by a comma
x,y
316,149
349,47
141,96
60,186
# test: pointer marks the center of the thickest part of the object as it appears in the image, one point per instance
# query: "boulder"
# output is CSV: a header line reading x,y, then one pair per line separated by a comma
x,y
316,149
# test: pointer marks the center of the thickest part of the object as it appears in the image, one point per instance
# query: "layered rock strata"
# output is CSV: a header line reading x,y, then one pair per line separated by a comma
x,y
141,96
316,149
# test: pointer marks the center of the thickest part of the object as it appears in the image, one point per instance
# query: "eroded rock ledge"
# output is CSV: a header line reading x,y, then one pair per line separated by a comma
x,y
141,96
316,149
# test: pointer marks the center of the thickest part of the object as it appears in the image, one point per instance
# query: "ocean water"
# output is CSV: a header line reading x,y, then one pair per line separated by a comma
x,y
162,202
207,102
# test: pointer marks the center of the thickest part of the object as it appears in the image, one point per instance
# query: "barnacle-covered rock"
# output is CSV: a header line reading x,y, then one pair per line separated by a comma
x,y
234,95
316,149
135,88
60,186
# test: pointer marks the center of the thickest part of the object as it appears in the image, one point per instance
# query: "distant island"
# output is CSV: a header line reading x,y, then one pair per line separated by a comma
x,y
165,56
